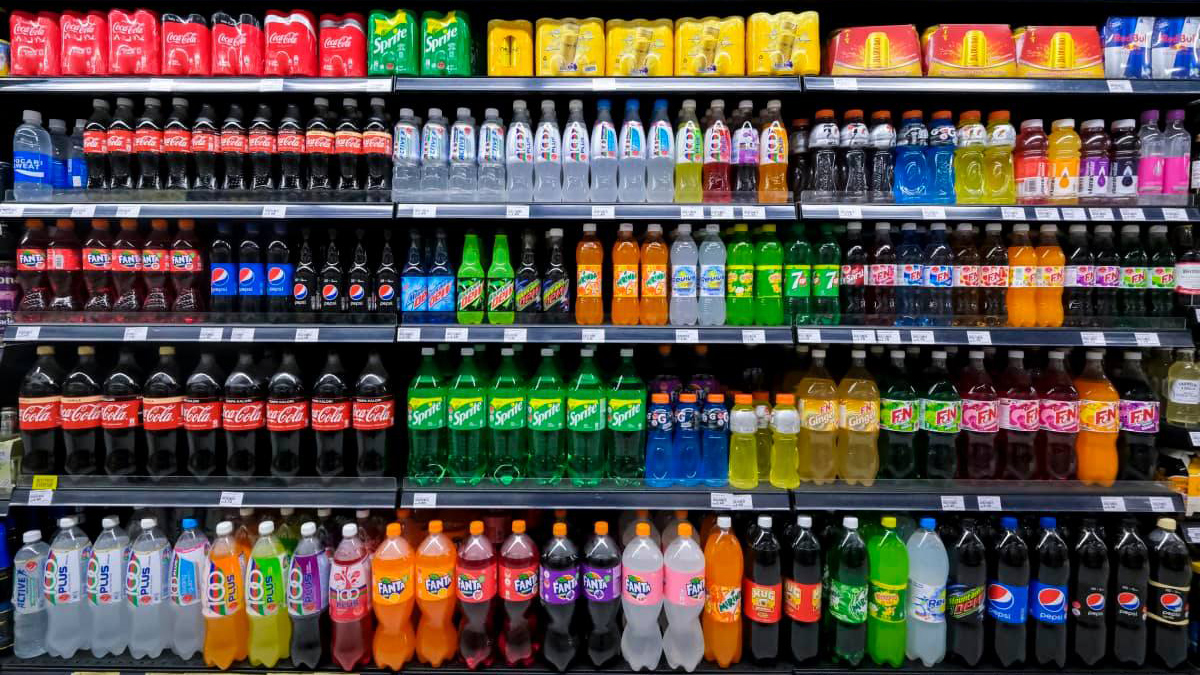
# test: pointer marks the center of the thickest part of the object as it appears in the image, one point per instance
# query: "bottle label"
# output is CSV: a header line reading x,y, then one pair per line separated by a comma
x,y
967,276
561,587
232,141
585,414
825,281
740,281
963,601
1022,276
661,140
683,281
477,585
1167,604
981,416
1186,392
882,275
854,275
654,281
37,413
1033,177
265,590
333,414
717,144
1195,182
546,145
588,281
604,141
146,582
911,275
206,141
1098,416
926,602
993,276
938,276
286,141
1050,276
413,294
798,285
818,414
1162,278
1135,277
470,294
546,414
491,144
79,412
153,260
1131,604
1093,177
633,141
940,416
506,412
1150,174
745,144
28,596
308,581
768,281
186,260
223,587
518,584
860,416
287,414
1139,416
200,415
898,415
1059,416
462,143
1079,276
1007,604
683,589
847,603
626,414
625,281
802,602
723,604
575,143
643,588
1019,414
603,584
258,141
187,573
660,418
433,144
66,260
391,588
1088,603
407,144
441,293
31,259
1049,603
467,412
106,576
763,602
96,259
240,414
1108,276
435,584
500,294
712,281
121,140
528,294
714,417
887,602
121,414
518,147
773,145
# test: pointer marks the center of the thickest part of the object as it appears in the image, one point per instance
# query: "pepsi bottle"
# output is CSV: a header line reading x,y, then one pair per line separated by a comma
x,y
1089,595
333,282
358,279
1131,561
251,278
222,290
279,272
1048,605
1167,604
386,279
1008,594
304,279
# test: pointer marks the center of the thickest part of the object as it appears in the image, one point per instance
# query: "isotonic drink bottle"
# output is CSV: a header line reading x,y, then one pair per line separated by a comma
x,y
642,598
999,182
942,140
350,601
689,155
625,284
518,588
768,278
655,263
604,155
393,575
518,155
29,626
928,568
602,581
576,149
711,278
437,639
106,590
1095,185
743,450
980,420
225,627
631,169
463,181
823,184
684,467
722,618
559,591
476,576
189,570
660,156
1063,153
270,628
785,425
881,158
1031,164
434,157
1096,445
887,605
683,587
857,458
1022,292
1151,156
684,305
308,597
547,157
148,592
762,435
490,154
969,177
818,422
714,441
716,179
912,172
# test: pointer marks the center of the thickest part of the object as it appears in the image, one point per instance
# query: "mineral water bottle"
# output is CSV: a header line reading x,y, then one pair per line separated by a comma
x,y
106,590
66,611
32,153
189,569
660,156
406,158
604,155
28,600
490,153
463,180
547,157
631,173
928,568
148,588
711,308
642,599
683,596
60,147
684,258
434,172
518,155
576,148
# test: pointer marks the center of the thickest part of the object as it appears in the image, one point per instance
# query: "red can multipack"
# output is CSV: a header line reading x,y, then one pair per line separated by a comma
x,y
84,43
185,45
133,42
343,41
291,44
35,43
237,45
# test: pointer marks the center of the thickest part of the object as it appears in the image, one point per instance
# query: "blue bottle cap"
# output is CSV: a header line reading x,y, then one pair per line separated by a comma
x,y
1008,523
631,104
189,523
660,103
603,104
1048,522
928,524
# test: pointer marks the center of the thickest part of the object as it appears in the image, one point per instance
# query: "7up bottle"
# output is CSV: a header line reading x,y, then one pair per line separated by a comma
x,y
506,420
546,418
469,289
501,301
427,422
627,423
586,460
467,418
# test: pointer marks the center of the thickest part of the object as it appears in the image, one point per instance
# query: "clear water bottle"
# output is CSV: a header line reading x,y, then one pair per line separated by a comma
x,y
1177,151
928,568
660,156
712,277
106,590
406,158
463,177
575,155
60,150
604,154
490,153
434,157
518,157
29,603
547,157
684,259
67,628
631,172
148,590
189,570
31,158
76,162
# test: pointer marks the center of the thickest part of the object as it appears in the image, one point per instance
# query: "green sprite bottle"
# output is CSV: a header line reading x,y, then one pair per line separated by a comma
x,y
888,596
627,423
427,422
587,463
846,581
797,275
506,419
768,278
827,268
468,418
546,419
469,288
501,301
739,275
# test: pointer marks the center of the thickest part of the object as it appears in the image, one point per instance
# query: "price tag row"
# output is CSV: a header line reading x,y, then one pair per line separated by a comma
x,y
750,336
730,502
1039,213
596,211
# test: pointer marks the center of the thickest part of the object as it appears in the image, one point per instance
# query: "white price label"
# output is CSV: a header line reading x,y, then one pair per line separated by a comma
x,y
849,212
921,337
691,212
274,211
1193,535
40,497
1194,436
230,499
1045,213
1091,338
28,332
1074,214
591,335
953,503
241,335
83,210
211,333
862,336
379,84
456,335
129,210
687,336
604,84
721,212
11,210
1120,86
606,212
135,334
1112,504
808,335
754,212
1161,505
1146,339
742,502
719,500
424,500
933,212
516,334
979,337
424,211
270,84
1012,213
160,84
1175,214
308,334
845,83
1132,214
516,211
1100,213
754,336
404,334
989,503
888,337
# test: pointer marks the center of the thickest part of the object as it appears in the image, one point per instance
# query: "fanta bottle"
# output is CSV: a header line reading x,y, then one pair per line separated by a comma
x,y
655,253
1050,277
858,423
589,263
1032,165
350,600
224,602
1022,272
1064,162
392,574
999,182
625,255
270,626
437,639
818,422
722,619
1096,445
476,573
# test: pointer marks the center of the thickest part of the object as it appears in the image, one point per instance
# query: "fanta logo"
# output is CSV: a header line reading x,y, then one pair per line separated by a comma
x,y
387,587
525,583
593,583
637,587
436,583
694,588
564,586
471,587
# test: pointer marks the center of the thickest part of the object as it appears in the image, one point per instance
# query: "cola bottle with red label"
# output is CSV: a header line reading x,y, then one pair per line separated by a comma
x,y
377,147
243,414
95,144
31,268
201,413
127,268
262,147
347,146
287,416
79,412
156,267
148,145
97,268
331,416
121,401
372,412
318,143
62,267
119,144
39,398
206,141
162,397
233,149
177,145
289,142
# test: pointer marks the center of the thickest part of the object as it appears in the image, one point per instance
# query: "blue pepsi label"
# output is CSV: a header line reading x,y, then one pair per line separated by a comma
x,y
251,279
1049,603
223,279
414,294
279,279
441,294
1008,604
30,167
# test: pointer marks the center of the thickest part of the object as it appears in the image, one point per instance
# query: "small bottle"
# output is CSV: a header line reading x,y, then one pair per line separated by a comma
x,y
1123,162
490,154
406,158
1151,156
660,156
32,153
575,155
604,155
434,154
631,169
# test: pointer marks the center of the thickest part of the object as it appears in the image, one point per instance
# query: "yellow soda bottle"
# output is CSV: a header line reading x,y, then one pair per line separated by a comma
x,y
743,446
818,422
266,604
785,425
968,159
999,185
762,436
1064,162
858,423
689,155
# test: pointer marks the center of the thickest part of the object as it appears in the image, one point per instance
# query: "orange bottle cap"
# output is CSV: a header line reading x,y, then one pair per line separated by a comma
x,y
742,399
785,399
518,527
560,529
685,529
476,527
687,398
601,527
716,398
394,530
660,398
643,529
435,527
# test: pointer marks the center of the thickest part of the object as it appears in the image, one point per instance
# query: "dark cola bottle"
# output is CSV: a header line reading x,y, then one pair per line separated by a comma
x,y
764,582
373,411
386,278
1169,587
80,414
333,280
120,418
148,145
39,398
127,268
358,280
966,591
201,412
289,143
304,279
233,149
1008,595
318,144
119,145
186,268
280,273
262,146
802,592
347,146
31,268
162,395
330,415
95,144
287,416
1048,604
97,262
377,147
1131,567
1089,595
243,415
177,145
206,142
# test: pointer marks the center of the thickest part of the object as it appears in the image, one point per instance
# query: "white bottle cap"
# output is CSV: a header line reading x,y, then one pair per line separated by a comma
x,y
308,529
348,102
324,513
406,112
1133,356
625,227
506,351
491,112
427,351
31,536
850,523
546,351
467,351
463,112
224,528
286,511
31,117
654,227
349,530
589,228
764,522
148,523
858,354
245,511
712,228
108,523
724,522
266,527
626,353
683,228
1166,524
818,353
1016,354
362,513
977,353
804,521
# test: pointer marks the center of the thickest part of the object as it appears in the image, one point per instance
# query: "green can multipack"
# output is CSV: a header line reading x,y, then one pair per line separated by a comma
x,y
446,49
393,43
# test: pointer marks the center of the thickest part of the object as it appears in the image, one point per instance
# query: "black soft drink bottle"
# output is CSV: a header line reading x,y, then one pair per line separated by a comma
x,y
287,416
206,142
528,282
1131,563
318,142
1080,278
385,279
602,590
556,285
148,145
223,285
281,291
854,276
1135,278
358,280
762,594
333,280
1089,595
1137,445
119,145
289,142
373,411
1108,276
201,413
128,289
304,279
331,416
262,147
377,147
559,590
1048,606
798,157
1162,273
162,396
95,144
39,398
966,592
802,593
121,398
1008,595
187,268
233,149
347,146
80,412
177,145
1168,589
242,416
63,267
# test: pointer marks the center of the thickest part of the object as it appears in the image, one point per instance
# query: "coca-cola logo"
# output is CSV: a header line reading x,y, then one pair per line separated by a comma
x,y
78,30
283,39
182,39
80,414
119,414
343,42
242,414
230,39
330,416
373,414
39,413
130,29
287,416
201,416
176,141
161,414
29,29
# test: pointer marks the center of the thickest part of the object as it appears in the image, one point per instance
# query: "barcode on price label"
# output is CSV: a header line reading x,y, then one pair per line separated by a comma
x,y
424,500
1012,213
129,210
40,497
754,212
721,212
135,334
241,335
687,336
1045,213
211,334
1112,504
424,211
953,503
516,335
888,337
989,503
83,210
230,499
1146,339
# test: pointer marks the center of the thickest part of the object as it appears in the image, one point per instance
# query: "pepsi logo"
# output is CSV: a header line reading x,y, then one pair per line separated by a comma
x,y
1095,601
999,597
245,275
1172,602
275,275
386,291
299,291
357,292
329,291
219,276
1052,600
1129,601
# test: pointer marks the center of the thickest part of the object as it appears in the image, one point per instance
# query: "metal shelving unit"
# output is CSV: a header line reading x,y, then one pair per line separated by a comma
x,y
578,85
218,491
998,85
199,332
983,337
194,85
990,496
596,334
567,496
271,210
691,212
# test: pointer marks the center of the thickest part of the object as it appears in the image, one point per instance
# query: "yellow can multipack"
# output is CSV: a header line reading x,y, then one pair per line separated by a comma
x,y
710,46
510,48
787,43
570,47
639,48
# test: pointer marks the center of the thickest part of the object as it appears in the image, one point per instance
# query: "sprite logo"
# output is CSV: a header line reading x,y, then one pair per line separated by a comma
x,y
626,414
426,412
546,414
585,414
506,412
466,412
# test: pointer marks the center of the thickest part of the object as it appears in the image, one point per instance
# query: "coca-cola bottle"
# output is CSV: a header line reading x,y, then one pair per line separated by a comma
x,y
119,144
201,412
79,413
262,148
347,146
372,414
127,268
386,278
122,401
233,149
31,268
97,268
331,416
148,145
287,416
62,267
186,268
242,415
318,143
156,267
289,142
95,144
162,396
377,147
177,145
38,399
206,141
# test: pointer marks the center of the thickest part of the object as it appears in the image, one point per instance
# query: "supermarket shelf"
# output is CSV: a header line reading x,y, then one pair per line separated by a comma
x,y
1040,337
966,495
198,209
1098,214
83,663
692,212
595,334
648,85
199,332
1172,437
567,496
988,85
198,85
334,492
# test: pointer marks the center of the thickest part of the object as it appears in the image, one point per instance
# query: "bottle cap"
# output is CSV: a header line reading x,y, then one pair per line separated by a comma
x,y
641,529
111,522
308,529
349,530
1047,522
804,521
888,521
286,511
1133,356
435,527
264,528
31,536
1015,354
625,227
324,513
601,527
188,523
245,511
715,398
687,398
518,527
928,524
1166,524
975,354
785,399
818,353
1008,523
764,522
225,528
850,523
685,530
742,399
146,523
858,354
476,527
560,529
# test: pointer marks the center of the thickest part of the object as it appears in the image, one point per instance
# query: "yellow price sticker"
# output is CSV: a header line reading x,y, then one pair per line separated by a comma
x,y
45,482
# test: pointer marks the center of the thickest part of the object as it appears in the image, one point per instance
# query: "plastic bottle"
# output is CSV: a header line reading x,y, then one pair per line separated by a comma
x,y
822,144
913,172
970,184
1131,570
743,451
966,593
941,418
392,574
602,585
559,591
587,463
773,157
475,572
899,414
689,155
798,278
684,467
1177,144
1063,153
106,591
547,157
270,630
603,150
1183,391
1107,271
547,417
1015,451
352,625
1008,595
928,568
711,278
470,287
993,277
802,590
1050,278
826,270
32,157
506,414
1123,165
1151,156
308,597
684,305
1048,604
1090,581
625,284
942,140
887,604
1058,409
149,596
1162,272
631,168
1135,276
967,280
1032,164
501,302
857,458
744,153
626,422
1095,185
785,426
189,570
467,420
1096,445
714,441
683,642
77,168
68,616
434,157
881,155
437,638
1021,298
999,181
762,589
29,620
818,422
642,599
1139,414
225,628
1167,604
518,570
575,155
519,155
768,278
716,176
1079,278
910,263
491,157
739,274
60,149
463,179
589,260
722,618
937,279
660,156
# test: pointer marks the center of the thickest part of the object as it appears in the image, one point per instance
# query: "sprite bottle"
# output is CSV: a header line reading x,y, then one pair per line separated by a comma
x,y
587,463
797,275
846,580
501,301
468,417
768,278
827,269
627,423
427,422
506,420
739,275
888,600
899,406
469,288
546,418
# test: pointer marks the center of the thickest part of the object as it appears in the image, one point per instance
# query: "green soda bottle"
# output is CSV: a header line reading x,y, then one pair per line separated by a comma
x,y
899,410
627,423
506,419
270,627
739,275
287,531
469,288
940,418
546,419
886,642
768,278
586,460
797,273
501,303
427,422
827,268
846,585
468,450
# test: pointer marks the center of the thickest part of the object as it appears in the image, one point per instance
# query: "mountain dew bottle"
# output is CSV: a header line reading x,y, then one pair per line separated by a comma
x,y
627,423
427,422
467,419
506,419
501,301
586,460
469,288
546,404
739,275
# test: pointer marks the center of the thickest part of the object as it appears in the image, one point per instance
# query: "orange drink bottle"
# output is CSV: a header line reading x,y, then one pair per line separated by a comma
x,y
773,157
1096,445
655,253
722,618
225,627
245,530
625,254
589,260
392,575
437,638
1050,277
1022,274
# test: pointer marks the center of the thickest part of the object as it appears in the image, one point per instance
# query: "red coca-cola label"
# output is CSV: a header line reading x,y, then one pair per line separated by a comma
x,y
289,141
318,142
35,44
233,141
261,141
177,140
291,44
204,141
119,140
95,142
62,259
133,42
343,43
120,414
330,414
41,412
347,142
186,260
84,43
200,415
162,414
97,259
186,45
373,412
377,143
147,140
126,260
242,414
80,412
31,259
287,414
155,260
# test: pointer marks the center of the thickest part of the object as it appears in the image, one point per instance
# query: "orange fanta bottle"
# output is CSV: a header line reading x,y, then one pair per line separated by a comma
x,y
654,277
224,607
1096,445
1050,277
589,261
392,574
625,255
722,619
437,638
1022,272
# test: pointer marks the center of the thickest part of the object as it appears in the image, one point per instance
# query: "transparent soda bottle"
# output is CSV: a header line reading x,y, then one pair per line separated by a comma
x,y
518,155
68,615
29,621
711,306
149,594
642,599
189,572
928,567
547,157
463,180
631,170
604,155
660,156
434,154
683,561
689,155
684,305
106,590
1151,156
490,154
406,158
576,149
